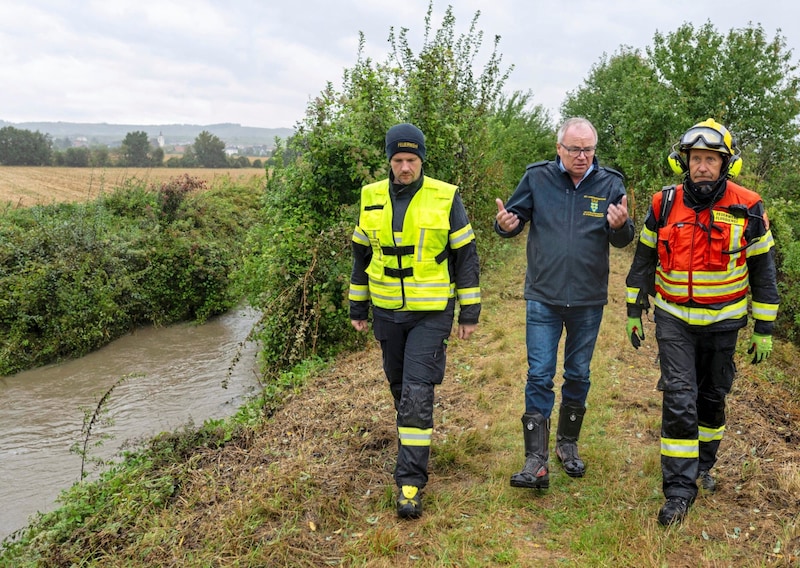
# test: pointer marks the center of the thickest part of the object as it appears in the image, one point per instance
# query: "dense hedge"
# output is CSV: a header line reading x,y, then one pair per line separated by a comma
x,y
75,276
785,222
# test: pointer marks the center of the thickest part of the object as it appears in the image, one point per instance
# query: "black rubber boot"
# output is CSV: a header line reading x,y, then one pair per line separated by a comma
x,y
536,432
570,420
673,511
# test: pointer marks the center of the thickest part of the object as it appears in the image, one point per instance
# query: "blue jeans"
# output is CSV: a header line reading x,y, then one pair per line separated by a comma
x,y
544,324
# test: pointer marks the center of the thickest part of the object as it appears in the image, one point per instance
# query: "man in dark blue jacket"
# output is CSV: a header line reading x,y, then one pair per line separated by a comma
x,y
575,209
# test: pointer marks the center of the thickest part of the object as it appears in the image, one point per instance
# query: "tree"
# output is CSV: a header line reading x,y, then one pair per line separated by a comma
x,y
189,159
210,151
100,157
742,80
77,157
439,92
24,148
520,136
635,120
135,150
642,104
157,157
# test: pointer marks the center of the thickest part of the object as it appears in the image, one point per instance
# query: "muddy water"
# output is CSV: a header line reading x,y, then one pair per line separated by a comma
x,y
175,376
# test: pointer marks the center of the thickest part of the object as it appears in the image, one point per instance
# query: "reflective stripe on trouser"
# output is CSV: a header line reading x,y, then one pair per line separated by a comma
x,y
414,347
679,467
697,372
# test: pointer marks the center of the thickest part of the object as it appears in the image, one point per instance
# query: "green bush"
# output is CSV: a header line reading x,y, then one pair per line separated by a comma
x,y
785,222
74,277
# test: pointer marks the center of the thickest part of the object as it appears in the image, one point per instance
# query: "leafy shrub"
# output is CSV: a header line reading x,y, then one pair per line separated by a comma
x,y
74,277
785,222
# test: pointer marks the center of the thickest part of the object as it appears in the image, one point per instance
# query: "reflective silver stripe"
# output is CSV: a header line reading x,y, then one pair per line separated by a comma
x,y
417,301
765,312
648,237
462,296
360,237
414,436
762,245
457,241
705,276
359,294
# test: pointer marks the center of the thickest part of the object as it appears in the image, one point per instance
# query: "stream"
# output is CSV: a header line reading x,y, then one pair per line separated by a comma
x,y
173,376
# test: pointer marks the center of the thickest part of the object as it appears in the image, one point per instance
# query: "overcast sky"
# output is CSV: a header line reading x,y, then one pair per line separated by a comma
x,y
260,62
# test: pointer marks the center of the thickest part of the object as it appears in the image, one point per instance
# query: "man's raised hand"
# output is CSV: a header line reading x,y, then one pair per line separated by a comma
x,y
507,221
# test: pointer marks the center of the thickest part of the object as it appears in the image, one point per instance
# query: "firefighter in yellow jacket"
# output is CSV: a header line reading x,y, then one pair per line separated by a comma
x,y
414,257
708,243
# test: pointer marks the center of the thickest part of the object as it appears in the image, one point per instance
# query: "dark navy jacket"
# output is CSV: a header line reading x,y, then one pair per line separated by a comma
x,y
569,235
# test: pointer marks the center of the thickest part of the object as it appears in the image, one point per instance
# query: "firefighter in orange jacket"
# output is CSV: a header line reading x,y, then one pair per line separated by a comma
x,y
712,246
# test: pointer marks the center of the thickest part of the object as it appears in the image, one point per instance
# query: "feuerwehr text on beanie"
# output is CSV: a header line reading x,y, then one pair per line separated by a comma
x,y
405,138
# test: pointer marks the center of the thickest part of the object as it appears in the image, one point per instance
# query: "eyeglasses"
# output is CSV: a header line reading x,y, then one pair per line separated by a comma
x,y
575,151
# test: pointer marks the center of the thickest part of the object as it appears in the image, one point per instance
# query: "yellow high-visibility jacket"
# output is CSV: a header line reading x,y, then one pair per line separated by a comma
x,y
410,269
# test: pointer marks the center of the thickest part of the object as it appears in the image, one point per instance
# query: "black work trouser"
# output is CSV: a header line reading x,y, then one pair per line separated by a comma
x,y
697,371
414,346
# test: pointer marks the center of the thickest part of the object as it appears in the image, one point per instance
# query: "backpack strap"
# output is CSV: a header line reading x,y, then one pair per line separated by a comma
x,y
667,197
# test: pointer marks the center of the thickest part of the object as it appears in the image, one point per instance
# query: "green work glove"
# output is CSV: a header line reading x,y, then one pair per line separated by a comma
x,y
760,347
635,331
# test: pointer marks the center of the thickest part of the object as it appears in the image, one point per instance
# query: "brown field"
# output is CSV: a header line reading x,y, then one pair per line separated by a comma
x,y
26,186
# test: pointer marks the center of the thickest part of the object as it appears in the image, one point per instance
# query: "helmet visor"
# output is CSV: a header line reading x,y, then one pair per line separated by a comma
x,y
704,137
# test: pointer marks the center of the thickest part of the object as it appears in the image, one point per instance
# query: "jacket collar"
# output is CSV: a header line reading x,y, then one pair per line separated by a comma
x,y
592,167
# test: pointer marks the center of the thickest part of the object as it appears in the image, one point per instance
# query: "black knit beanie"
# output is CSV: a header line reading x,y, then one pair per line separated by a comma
x,y
405,138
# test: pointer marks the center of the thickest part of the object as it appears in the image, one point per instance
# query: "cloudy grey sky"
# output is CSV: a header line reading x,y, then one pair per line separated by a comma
x,y
260,62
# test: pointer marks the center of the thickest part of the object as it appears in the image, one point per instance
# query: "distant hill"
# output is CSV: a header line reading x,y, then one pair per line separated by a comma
x,y
112,134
